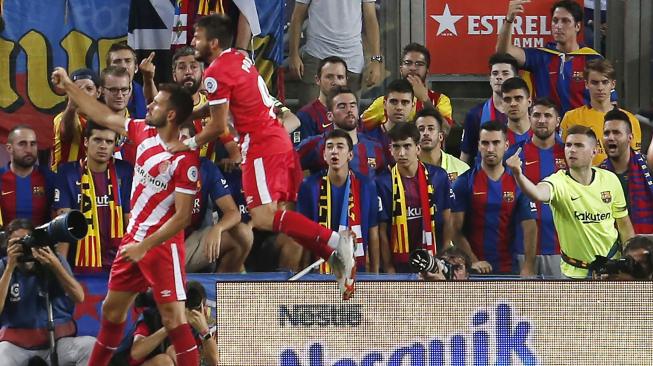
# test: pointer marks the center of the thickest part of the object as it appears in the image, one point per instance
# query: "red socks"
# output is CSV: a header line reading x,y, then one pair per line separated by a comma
x,y
107,341
185,346
307,233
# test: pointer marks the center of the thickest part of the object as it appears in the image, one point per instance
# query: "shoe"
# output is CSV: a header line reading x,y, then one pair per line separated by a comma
x,y
343,264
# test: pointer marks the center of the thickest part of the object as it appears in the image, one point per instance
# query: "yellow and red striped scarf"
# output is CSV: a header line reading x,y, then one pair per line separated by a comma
x,y
353,210
399,234
89,250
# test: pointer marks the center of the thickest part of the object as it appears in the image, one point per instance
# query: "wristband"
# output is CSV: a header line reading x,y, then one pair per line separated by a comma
x,y
510,21
191,143
376,58
206,335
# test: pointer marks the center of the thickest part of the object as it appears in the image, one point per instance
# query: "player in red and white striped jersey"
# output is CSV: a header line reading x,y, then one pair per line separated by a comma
x,y
152,251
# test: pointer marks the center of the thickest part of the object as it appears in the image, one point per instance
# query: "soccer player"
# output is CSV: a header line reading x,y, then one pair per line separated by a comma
x,y
415,62
557,68
69,126
122,55
397,105
429,123
271,170
26,189
151,253
631,169
502,67
488,207
599,80
415,209
543,155
340,198
586,203
99,187
343,112
331,73
517,100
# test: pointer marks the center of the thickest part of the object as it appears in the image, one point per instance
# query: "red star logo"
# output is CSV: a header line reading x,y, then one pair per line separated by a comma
x,y
88,306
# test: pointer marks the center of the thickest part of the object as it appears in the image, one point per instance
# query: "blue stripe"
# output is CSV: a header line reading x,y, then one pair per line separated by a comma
x,y
490,231
24,197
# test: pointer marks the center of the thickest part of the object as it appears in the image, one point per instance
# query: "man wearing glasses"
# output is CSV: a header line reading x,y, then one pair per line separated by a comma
x,y
414,67
115,92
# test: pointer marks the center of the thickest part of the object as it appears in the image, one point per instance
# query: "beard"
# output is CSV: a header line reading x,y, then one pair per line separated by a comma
x,y
193,87
26,161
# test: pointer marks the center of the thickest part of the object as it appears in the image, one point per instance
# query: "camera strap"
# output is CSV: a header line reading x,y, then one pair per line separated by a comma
x,y
616,247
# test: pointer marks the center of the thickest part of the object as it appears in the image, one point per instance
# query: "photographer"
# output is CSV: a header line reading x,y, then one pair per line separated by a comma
x,y
457,266
27,277
636,264
151,347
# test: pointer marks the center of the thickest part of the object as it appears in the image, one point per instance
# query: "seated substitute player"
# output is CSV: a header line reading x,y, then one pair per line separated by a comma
x,y
631,169
368,157
271,170
415,208
429,123
205,245
543,155
152,251
588,204
99,186
340,198
68,126
331,74
488,207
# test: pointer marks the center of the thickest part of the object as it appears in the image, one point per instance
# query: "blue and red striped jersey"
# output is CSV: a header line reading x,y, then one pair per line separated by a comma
x,y
538,164
368,155
558,75
210,187
313,121
492,210
27,197
514,139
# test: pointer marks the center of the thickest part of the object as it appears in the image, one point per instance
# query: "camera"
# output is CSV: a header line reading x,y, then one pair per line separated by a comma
x,y
68,227
422,261
628,265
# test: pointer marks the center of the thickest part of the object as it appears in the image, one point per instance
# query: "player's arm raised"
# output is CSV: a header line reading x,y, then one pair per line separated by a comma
x,y
215,128
504,41
540,192
88,105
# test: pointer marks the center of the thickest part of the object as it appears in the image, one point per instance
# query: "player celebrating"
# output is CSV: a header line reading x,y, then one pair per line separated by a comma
x,y
151,253
271,170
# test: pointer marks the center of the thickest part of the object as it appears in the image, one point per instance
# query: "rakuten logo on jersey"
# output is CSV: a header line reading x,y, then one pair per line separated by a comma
x,y
480,25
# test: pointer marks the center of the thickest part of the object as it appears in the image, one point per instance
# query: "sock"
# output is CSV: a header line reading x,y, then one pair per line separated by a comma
x,y
107,342
185,346
307,233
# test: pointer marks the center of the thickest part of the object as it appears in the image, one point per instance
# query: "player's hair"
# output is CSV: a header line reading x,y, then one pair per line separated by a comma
x,y
495,125
617,114
571,6
416,47
179,99
504,58
547,103
430,112
582,130
119,46
217,26
602,66
115,71
94,126
403,131
400,86
330,60
640,242
12,133
514,84
184,51
337,133
339,90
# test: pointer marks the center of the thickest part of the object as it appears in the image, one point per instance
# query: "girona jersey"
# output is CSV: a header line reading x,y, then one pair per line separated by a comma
x,y
158,174
233,78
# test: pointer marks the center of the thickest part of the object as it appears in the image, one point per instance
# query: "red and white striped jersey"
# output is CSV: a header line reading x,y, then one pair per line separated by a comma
x,y
158,174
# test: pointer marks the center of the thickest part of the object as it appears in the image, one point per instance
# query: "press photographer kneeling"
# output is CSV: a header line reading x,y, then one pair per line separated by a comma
x,y
451,264
34,277
636,263
149,344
